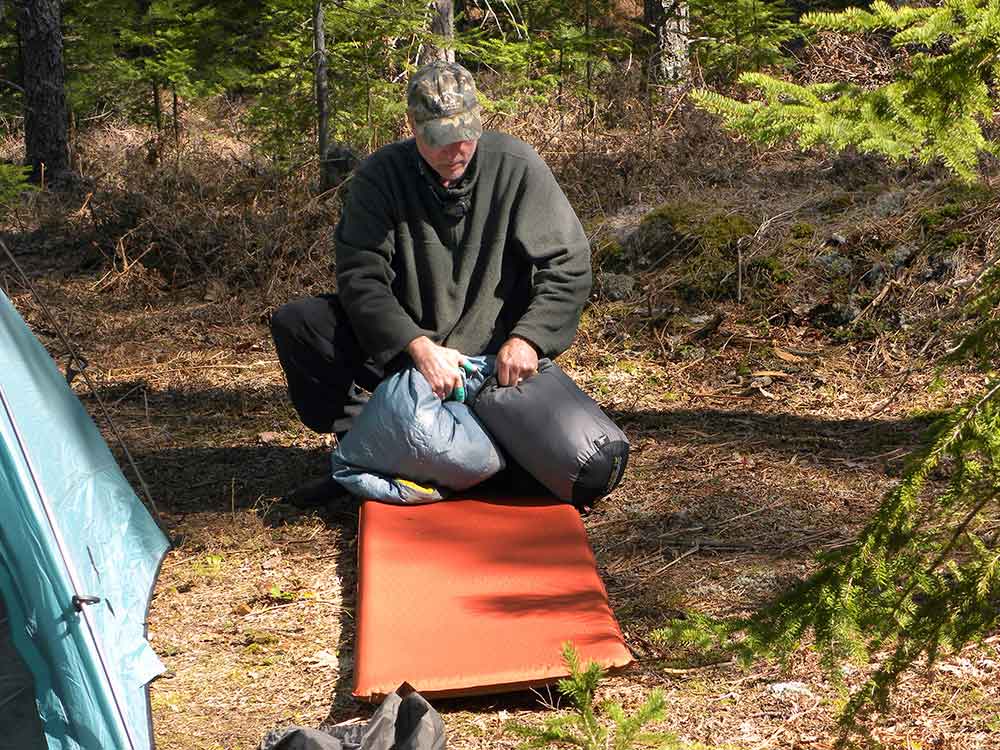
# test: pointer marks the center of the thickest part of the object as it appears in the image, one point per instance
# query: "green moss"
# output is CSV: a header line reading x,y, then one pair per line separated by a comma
x,y
260,638
952,240
969,193
768,270
710,229
802,230
704,241
836,203
609,255
209,566
935,217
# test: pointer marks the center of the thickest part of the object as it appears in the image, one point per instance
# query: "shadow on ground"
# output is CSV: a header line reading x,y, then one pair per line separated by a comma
x,y
782,433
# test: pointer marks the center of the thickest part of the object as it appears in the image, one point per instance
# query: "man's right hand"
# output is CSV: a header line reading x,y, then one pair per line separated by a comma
x,y
439,365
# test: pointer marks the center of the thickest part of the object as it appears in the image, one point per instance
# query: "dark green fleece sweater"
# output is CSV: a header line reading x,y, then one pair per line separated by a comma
x,y
516,263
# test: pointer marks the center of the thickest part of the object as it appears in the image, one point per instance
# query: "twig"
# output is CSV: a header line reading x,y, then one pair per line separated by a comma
x,y
878,299
673,562
255,612
693,670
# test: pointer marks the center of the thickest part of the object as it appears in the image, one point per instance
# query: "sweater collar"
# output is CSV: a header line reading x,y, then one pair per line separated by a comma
x,y
455,192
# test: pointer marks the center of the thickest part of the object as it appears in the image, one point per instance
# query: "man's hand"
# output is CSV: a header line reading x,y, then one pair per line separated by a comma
x,y
516,360
439,365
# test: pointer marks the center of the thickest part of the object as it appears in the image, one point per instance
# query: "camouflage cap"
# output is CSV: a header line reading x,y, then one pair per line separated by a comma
x,y
441,99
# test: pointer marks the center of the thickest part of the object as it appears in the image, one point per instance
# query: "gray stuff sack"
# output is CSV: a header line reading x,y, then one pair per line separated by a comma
x,y
557,433
407,446
404,721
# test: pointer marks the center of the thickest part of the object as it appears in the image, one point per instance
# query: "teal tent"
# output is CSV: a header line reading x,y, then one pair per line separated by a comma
x,y
79,555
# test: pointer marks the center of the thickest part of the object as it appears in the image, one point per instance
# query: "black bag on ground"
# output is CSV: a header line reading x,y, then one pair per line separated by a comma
x,y
404,721
557,433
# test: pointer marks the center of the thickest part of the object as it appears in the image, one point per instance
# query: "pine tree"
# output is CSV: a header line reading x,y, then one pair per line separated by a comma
x,y
933,110
740,35
39,26
585,728
923,577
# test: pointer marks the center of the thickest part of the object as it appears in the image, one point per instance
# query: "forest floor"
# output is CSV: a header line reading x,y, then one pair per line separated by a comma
x,y
733,487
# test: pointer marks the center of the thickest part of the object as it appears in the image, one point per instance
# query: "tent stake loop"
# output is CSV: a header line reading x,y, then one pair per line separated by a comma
x,y
79,601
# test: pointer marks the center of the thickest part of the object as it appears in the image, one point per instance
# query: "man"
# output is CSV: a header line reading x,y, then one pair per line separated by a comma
x,y
455,242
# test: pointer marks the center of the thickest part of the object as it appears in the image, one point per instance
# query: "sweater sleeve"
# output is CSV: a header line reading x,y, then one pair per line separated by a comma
x,y
548,232
365,243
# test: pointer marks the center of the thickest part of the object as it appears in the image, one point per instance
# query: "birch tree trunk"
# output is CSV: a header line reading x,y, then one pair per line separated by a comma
x,y
39,26
668,21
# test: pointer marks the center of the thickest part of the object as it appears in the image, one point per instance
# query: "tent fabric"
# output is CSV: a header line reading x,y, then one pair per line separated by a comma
x,y
17,696
68,514
407,446
473,596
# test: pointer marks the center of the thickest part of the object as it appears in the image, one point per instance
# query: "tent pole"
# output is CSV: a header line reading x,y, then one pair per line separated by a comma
x,y
80,599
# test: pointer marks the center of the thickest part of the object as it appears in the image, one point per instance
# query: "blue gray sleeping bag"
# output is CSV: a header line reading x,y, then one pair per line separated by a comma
x,y
406,437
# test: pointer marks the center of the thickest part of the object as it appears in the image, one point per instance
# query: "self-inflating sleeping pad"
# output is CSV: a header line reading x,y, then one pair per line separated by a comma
x,y
477,596
556,432
407,446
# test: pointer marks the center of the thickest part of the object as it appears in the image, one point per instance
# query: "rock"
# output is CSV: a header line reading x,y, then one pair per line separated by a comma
x,y
836,240
874,276
833,314
621,225
338,165
889,204
615,286
835,264
684,227
789,688
903,255
938,267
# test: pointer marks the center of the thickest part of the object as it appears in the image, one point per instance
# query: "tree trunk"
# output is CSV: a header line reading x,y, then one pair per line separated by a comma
x,y
326,178
177,119
667,20
157,112
442,24
45,137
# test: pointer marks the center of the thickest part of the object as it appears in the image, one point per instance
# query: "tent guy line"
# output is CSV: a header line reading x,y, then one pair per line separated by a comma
x,y
81,363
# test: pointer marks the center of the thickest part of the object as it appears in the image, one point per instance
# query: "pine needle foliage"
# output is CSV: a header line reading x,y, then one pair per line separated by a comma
x,y
740,35
584,727
933,110
923,577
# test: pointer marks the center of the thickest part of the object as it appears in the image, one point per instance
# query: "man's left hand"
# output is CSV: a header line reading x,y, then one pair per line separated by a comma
x,y
516,360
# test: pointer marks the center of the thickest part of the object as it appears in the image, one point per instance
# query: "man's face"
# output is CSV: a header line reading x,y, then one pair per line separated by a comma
x,y
448,161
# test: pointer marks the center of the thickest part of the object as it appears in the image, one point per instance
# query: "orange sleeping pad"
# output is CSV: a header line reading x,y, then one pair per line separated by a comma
x,y
470,596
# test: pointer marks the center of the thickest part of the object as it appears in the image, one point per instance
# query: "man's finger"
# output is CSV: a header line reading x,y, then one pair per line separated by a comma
x,y
504,374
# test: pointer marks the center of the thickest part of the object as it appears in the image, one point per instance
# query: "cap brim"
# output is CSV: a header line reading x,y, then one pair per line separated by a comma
x,y
445,130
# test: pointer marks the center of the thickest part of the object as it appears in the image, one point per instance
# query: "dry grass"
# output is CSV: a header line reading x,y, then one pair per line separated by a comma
x,y
733,485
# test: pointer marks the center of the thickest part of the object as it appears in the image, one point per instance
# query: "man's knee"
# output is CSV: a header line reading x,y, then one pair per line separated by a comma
x,y
288,320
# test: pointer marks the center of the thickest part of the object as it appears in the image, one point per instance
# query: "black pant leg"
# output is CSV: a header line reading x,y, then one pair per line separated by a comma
x,y
325,366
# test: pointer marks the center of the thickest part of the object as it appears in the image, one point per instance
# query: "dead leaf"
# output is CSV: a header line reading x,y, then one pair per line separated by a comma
x,y
770,374
268,437
324,660
786,356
